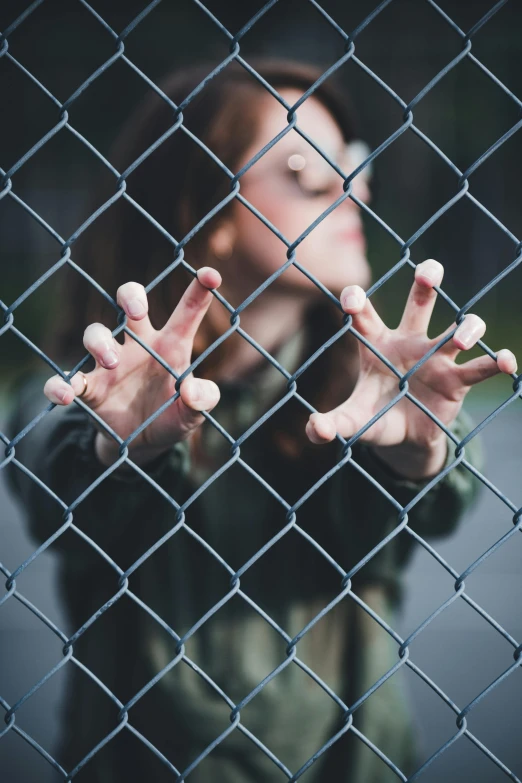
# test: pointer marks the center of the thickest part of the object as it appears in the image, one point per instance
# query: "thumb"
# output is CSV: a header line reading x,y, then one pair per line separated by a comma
x,y
199,394
323,427
320,428
347,418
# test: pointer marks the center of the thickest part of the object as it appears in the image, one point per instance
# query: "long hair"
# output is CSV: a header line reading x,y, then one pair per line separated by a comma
x,y
178,184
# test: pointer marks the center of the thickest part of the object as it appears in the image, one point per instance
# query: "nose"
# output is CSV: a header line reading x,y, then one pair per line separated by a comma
x,y
357,152
360,189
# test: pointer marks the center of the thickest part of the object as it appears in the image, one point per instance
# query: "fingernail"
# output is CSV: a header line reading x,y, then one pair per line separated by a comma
x,y
198,390
136,307
466,339
508,355
61,394
431,271
350,300
110,358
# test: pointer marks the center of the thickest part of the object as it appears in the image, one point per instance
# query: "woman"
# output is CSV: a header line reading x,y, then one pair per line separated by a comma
x,y
235,632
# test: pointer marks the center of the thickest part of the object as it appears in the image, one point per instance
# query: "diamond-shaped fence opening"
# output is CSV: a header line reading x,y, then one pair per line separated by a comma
x,y
232,597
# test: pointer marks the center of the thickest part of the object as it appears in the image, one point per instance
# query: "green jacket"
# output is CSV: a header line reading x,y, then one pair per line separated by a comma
x,y
237,646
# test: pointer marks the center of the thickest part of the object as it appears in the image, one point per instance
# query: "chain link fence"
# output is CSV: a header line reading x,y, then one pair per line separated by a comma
x,y
65,250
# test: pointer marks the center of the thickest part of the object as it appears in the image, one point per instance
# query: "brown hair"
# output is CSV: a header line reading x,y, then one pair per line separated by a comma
x,y
178,184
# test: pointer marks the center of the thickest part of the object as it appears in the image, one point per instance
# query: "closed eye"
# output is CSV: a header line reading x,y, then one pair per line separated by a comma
x,y
311,192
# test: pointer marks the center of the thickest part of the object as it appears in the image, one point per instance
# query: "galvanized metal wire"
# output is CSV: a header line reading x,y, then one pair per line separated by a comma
x,y
122,583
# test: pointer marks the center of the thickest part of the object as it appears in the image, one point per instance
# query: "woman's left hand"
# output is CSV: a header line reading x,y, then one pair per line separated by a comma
x,y
405,437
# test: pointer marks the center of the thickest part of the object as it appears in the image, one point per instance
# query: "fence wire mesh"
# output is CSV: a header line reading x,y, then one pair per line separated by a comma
x,y
123,578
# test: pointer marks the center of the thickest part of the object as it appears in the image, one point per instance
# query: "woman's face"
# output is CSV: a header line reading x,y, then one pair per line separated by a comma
x,y
291,185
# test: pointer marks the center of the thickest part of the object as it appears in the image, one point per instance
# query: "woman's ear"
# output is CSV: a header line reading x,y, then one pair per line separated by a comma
x,y
221,242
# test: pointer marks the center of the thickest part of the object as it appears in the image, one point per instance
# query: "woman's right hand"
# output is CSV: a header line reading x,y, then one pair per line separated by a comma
x,y
128,385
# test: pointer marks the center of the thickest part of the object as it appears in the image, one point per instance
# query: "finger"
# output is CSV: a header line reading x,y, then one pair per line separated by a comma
x,y
102,346
468,333
62,393
196,395
199,394
365,318
132,298
422,297
323,427
484,367
348,417
320,428
193,305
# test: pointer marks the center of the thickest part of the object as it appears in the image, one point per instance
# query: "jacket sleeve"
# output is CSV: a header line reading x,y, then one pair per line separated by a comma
x,y
59,451
372,515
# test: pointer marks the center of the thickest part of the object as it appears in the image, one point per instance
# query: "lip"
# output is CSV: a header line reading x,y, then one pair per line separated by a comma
x,y
352,235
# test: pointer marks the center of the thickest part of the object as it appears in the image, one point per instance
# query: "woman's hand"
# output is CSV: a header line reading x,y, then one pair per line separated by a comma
x,y
128,384
405,437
